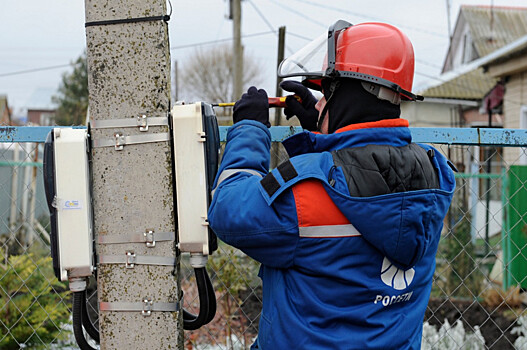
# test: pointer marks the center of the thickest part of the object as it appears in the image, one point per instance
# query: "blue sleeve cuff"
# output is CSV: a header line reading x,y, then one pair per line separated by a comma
x,y
247,122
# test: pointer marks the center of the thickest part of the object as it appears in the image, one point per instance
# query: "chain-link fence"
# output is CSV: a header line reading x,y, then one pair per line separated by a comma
x,y
477,300
34,306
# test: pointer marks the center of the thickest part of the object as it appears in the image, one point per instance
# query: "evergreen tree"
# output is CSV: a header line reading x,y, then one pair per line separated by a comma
x,y
72,98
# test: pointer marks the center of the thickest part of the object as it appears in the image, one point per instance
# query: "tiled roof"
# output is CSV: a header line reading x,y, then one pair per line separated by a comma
x,y
518,48
494,27
472,85
489,33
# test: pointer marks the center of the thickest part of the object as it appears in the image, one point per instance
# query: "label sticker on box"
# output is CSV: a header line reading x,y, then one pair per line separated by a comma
x,y
72,204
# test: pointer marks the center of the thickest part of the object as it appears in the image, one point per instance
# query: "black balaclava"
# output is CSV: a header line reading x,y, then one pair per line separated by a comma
x,y
352,104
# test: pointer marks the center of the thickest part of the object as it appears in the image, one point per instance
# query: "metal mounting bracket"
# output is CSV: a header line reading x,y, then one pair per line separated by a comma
x,y
149,237
130,259
119,141
142,122
145,307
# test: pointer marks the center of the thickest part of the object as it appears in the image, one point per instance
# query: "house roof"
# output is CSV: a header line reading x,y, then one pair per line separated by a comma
x,y
515,49
470,85
493,36
494,27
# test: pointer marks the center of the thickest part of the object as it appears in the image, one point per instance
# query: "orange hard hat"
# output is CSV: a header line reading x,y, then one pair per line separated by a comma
x,y
376,53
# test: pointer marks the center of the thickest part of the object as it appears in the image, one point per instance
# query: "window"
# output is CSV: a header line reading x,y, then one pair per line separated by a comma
x,y
469,53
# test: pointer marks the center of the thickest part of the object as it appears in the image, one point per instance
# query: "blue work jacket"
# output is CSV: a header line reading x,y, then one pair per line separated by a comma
x,y
356,276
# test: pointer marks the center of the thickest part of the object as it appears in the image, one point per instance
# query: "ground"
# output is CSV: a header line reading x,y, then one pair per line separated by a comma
x,y
495,323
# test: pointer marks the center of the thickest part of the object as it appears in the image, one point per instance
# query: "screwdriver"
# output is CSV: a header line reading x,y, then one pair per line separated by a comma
x,y
273,102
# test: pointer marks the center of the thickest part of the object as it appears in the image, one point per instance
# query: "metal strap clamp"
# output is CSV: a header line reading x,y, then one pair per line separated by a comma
x,y
119,140
130,259
149,237
142,122
146,306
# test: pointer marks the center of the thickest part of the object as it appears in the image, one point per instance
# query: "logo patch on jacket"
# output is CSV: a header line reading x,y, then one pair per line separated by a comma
x,y
394,277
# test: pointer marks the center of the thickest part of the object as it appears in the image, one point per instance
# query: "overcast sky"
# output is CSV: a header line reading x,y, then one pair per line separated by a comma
x,y
38,34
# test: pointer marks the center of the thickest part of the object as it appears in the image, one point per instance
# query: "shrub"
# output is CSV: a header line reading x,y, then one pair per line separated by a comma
x,y
32,302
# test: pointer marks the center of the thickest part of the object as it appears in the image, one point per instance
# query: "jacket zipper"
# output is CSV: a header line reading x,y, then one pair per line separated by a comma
x,y
331,180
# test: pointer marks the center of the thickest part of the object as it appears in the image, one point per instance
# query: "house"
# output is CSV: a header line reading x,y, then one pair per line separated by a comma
x,y
467,94
510,66
41,108
5,112
455,97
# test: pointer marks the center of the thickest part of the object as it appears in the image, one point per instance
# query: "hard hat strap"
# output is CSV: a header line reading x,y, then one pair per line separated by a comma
x,y
332,88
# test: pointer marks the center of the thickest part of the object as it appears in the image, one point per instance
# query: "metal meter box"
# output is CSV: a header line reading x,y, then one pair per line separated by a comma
x,y
196,146
67,184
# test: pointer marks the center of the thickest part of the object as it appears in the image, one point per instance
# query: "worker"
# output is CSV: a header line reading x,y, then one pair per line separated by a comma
x,y
347,229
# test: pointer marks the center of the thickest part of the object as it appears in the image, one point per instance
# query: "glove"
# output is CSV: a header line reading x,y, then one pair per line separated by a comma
x,y
254,105
305,111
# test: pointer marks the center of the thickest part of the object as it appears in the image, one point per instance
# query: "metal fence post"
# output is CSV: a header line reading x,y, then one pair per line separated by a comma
x,y
129,76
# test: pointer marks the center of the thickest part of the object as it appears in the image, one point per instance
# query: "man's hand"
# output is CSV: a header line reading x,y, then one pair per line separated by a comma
x,y
305,111
254,105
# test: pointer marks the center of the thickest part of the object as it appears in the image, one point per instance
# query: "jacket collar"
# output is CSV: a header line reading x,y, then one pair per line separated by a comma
x,y
393,132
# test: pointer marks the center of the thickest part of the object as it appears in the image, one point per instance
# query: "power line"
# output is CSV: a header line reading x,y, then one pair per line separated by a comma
x,y
33,70
268,23
299,14
218,41
300,36
429,64
324,6
262,16
36,70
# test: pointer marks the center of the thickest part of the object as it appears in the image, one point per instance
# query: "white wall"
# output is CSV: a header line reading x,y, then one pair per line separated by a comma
x,y
427,114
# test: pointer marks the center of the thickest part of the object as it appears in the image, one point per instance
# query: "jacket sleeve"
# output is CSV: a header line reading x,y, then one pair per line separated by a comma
x,y
238,214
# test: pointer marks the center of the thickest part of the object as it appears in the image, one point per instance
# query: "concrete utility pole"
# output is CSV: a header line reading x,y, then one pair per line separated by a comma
x,y
236,12
129,76
280,58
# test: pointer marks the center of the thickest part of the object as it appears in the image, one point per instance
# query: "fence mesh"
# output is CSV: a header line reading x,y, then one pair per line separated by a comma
x,y
477,300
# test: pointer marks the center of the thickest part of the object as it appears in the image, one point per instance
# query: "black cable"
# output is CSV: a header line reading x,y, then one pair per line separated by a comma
x,y
192,322
207,304
172,48
170,13
79,298
35,70
88,326
165,18
211,299
218,40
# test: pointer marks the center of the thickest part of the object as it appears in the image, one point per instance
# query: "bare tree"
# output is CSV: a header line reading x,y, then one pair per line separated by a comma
x,y
207,74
